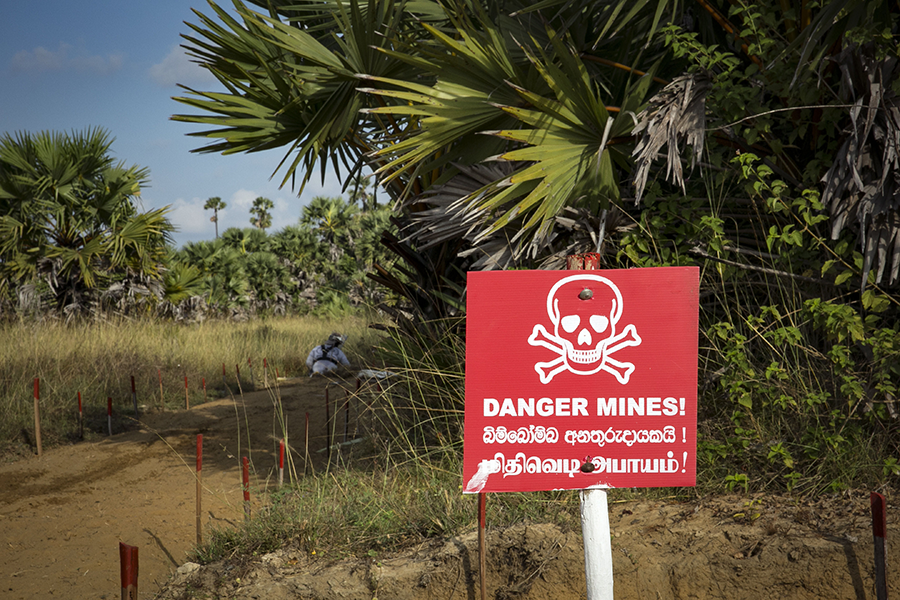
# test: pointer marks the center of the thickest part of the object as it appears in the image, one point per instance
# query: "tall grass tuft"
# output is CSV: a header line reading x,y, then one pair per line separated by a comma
x,y
99,359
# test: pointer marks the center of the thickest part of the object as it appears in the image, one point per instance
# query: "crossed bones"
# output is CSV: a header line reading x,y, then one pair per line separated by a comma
x,y
548,370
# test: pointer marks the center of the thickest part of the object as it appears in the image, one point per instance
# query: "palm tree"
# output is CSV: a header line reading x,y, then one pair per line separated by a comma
x,y
215,204
68,219
261,215
432,95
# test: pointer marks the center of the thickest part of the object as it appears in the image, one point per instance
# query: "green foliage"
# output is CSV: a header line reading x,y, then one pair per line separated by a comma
x,y
260,215
318,265
69,224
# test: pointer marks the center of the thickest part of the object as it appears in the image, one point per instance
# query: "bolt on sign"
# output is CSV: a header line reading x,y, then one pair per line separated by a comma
x,y
580,379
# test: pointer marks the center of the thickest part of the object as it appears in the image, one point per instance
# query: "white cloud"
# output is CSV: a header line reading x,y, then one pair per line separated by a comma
x,y
191,219
177,67
65,58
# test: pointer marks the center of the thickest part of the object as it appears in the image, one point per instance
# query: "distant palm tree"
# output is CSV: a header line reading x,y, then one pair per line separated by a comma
x,y
262,217
215,203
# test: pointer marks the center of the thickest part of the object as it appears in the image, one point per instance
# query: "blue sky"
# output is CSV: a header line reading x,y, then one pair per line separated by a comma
x,y
69,66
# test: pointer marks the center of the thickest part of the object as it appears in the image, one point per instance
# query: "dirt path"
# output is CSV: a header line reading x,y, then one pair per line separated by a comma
x,y
62,516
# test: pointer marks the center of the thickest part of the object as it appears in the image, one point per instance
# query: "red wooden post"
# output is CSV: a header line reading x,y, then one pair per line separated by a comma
x,y
134,398
203,383
346,415
306,443
482,559
879,529
37,416
246,487
109,413
128,565
187,402
280,463
327,425
199,487
80,418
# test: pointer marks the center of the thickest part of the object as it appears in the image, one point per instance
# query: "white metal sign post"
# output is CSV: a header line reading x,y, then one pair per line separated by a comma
x,y
598,565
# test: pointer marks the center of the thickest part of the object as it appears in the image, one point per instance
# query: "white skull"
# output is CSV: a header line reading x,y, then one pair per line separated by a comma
x,y
584,310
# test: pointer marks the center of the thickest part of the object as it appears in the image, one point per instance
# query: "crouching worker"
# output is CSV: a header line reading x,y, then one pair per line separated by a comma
x,y
327,357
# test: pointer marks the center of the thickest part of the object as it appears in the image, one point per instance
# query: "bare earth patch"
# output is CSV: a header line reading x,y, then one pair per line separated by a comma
x,y
63,516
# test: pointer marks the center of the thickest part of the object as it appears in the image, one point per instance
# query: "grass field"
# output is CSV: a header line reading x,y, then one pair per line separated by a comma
x,y
98,361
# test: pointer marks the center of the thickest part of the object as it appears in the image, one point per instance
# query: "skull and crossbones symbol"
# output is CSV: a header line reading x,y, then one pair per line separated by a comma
x,y
585,311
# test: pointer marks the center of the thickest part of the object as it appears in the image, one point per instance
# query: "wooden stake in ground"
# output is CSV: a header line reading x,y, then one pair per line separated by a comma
x,y
203,383
879,529
224,382
80,419
482,558
109,413
280,463
199,487
246,486
327,427
306,444
128,566
134,398
37,416
346,415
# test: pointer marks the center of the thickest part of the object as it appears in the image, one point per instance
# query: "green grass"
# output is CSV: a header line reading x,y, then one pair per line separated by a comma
x,y
99,359
374,510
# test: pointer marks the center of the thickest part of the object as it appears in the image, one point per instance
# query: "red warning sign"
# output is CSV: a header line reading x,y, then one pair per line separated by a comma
x,y
579,379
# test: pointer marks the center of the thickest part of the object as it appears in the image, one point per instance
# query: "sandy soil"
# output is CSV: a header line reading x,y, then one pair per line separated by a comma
x,y
62,517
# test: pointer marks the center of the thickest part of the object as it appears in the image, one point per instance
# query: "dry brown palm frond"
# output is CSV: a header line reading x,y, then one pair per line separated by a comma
x,y
674,117
862,187
449,216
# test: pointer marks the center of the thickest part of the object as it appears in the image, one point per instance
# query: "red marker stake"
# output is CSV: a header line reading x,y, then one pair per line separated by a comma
x,y
109,414
482,559
879,529
134,398
246,486
203,383
346,416
306,443
199,487
187,402
280,463
37,416
80,418
128,564
327,425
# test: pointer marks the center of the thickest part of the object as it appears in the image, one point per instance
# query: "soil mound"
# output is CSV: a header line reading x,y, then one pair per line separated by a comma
x,y
63,516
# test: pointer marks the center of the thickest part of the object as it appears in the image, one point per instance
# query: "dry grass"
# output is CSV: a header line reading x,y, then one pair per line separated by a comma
x,y
99,359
